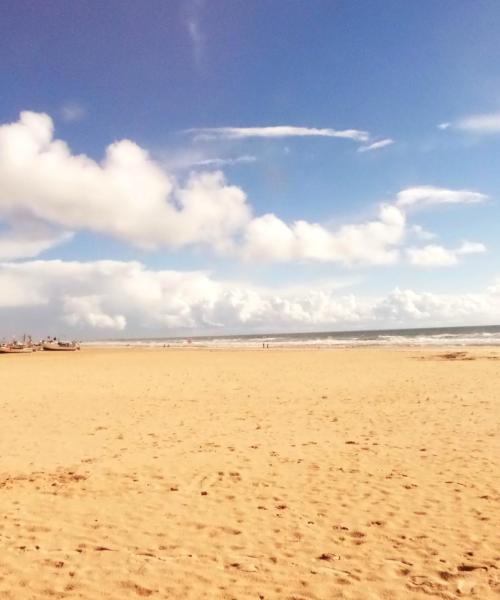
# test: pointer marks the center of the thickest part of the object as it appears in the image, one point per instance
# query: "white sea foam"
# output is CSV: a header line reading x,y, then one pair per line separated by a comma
x,y
486,336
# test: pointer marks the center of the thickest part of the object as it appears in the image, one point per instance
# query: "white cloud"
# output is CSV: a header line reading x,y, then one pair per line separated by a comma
x,y
486,123
375,242
127,196
221,162
421,233
87,310
376,145
427,195
29,239
471,248
46,192
116,295
72,112
494,289
278,131
478,124
179,161
434,255
126,298
197,38
194,29
407,307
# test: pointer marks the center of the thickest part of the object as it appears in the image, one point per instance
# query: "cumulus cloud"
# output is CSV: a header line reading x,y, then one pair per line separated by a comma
x,y
471,248
434,255
427,195
407,307
87,310
127,195
277,131
47,192
115,295
107,298
374,242
29,239
376,145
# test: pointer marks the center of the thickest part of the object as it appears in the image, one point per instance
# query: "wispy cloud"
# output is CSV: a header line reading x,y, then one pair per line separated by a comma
x,y
194,30
180,160
277,131
479,124
426,195
72,111
376,145
221,162
486,123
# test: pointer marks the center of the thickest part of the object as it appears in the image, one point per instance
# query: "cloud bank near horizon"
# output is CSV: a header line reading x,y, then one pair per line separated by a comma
x,y
104,298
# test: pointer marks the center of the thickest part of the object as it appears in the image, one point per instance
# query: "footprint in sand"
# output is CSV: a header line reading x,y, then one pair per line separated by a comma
x,y
138,589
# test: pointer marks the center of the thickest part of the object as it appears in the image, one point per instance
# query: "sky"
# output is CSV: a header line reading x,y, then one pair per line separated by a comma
x,y
196,167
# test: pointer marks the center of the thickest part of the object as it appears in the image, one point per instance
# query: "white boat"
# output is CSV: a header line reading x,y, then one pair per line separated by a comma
x,y
58,346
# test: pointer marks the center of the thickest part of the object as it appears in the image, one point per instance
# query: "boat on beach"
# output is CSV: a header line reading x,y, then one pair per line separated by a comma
x,y
60,346
26,345
16,349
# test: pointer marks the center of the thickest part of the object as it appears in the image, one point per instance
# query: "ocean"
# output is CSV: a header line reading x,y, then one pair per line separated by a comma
x,y
435,336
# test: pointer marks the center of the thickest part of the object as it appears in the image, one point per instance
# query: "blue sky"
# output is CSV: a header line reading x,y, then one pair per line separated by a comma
x,y
171,77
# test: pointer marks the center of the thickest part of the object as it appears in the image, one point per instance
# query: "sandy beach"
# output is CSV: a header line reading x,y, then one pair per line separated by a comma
x,y
250,474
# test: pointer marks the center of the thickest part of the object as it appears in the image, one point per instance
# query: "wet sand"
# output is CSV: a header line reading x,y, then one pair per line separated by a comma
x,y
250,474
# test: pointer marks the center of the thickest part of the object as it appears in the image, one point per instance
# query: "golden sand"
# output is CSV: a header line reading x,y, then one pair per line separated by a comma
x,y
249,474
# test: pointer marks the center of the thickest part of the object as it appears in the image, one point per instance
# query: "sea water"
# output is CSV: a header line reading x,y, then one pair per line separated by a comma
x,y
438,336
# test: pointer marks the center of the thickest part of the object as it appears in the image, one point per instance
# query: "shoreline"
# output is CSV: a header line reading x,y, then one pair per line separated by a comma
x,y
424,347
